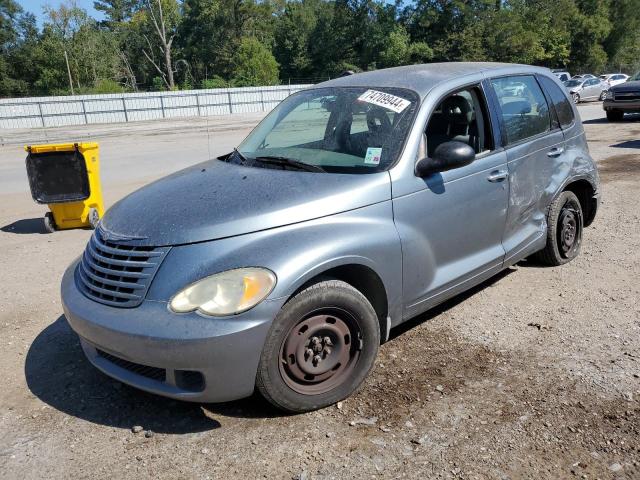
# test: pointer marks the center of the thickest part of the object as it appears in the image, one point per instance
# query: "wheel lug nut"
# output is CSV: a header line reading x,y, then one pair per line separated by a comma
x,y
316,359
326,351
308,353
327,341
315,340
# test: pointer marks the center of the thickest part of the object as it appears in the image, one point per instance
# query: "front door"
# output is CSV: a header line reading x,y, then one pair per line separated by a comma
x,y
451,228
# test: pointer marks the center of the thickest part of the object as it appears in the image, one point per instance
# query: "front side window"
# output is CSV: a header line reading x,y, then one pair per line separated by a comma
x,y
524,110
334,129
460,117
559,100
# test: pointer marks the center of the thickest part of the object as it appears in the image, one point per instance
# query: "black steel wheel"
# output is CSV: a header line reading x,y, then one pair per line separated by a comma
x,y
564,230
320,348
49,222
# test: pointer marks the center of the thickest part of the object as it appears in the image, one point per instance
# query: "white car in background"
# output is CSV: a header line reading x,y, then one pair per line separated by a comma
x,y
614,78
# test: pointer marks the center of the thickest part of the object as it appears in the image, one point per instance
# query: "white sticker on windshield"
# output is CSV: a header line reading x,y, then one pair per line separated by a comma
x,y
386,100
373,156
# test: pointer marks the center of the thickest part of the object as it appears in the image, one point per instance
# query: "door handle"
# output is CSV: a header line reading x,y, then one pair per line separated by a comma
x,y
498,175
555,152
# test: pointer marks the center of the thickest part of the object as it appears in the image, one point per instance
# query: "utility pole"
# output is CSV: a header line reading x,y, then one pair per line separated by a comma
x,y
66,59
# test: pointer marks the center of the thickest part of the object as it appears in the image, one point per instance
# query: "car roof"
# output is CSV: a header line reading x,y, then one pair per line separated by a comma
x,y
422,78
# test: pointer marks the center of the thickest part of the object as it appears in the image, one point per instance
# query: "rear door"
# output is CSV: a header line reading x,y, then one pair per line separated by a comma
x,y
533,145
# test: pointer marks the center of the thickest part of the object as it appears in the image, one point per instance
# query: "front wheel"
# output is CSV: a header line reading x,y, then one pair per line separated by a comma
x,y
615,115
320,348
576,98
564,231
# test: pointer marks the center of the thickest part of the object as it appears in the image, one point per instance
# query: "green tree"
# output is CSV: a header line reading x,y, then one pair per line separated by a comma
x,y
254,64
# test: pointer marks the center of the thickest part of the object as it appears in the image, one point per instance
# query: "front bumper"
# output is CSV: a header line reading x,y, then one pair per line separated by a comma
x,y
182,356
632,106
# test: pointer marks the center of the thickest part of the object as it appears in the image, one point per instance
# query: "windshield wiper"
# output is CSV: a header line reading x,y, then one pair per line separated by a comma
x,y
290,162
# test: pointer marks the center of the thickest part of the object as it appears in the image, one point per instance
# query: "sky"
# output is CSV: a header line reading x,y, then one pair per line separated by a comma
x,y
35,7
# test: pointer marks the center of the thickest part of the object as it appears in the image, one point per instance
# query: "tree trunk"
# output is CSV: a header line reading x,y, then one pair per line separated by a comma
x,y
167,57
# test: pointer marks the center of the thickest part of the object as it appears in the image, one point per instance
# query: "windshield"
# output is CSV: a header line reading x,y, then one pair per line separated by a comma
x,y
635,78
339,129
573,83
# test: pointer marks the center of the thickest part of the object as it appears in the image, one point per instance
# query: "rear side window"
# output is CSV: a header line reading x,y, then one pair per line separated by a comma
x,y
559,100
524,109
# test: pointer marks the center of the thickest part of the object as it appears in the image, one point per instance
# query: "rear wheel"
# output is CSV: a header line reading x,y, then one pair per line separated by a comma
x,y
320,348
564,231
49,222
603,95
615,115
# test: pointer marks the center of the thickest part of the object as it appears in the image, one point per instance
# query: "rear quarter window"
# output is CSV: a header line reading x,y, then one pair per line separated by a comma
x,y
559,100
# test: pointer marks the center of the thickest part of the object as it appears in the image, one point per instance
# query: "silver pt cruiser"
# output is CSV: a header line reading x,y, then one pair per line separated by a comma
x,y
352,207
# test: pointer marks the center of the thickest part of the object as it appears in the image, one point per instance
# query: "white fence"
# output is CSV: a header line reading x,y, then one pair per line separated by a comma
x,y
133,107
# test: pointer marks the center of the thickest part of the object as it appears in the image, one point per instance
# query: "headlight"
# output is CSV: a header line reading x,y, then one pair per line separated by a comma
x,y
609,95
226,293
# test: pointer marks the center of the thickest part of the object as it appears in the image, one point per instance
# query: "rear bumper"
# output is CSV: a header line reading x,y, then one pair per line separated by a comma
x,y
182,356
632,106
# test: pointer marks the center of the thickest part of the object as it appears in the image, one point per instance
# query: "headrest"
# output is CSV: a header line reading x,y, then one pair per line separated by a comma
x,y
457,109
517,107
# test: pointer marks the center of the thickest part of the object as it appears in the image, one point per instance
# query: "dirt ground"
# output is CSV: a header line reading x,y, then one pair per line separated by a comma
x,y
534,374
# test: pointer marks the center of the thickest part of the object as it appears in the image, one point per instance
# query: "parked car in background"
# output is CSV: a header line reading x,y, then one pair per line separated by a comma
x,y
583,90
583,76
354,206
514,88
623,98
614,78
563,75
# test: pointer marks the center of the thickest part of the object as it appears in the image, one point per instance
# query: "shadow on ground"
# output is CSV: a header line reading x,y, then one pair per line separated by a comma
x,y
629,117
449,304
628,144
58,373
26,226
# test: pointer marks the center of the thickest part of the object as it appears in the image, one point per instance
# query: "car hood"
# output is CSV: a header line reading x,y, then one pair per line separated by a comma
x,y
627,87
216,199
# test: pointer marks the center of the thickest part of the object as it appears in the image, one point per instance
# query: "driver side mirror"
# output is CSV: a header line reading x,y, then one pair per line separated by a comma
x,y
447,156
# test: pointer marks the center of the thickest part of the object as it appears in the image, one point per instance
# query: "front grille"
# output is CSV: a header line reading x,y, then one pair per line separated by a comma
x,y
626,96
117,274
158,374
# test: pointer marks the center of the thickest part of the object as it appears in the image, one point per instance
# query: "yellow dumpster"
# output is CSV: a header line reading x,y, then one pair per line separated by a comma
x,y
66,177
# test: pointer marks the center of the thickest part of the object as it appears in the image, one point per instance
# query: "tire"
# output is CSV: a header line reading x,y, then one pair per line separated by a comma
x,y
576,98
320,348
564,231
615,115
603,95
49,223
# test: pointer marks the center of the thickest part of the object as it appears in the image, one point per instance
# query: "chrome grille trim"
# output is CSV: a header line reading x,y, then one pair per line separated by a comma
x,y
632,96
117,274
